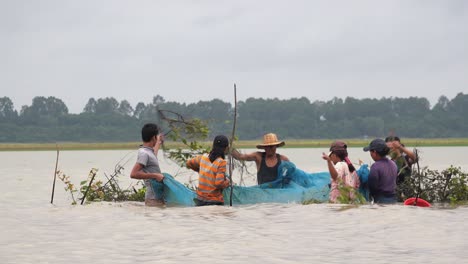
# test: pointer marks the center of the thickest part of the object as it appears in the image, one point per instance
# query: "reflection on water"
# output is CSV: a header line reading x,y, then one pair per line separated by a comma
x,y
33,231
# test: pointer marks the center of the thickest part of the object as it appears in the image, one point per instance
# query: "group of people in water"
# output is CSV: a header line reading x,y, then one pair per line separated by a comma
x,y
384,175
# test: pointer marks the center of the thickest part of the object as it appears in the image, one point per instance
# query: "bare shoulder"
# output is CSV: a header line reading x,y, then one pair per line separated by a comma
x,y
283,157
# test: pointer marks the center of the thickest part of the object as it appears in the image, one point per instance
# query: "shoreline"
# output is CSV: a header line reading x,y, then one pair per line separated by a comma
x,y
241,144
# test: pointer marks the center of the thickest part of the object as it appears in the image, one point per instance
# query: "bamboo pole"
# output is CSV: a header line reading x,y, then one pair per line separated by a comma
x,y
55,175
231,159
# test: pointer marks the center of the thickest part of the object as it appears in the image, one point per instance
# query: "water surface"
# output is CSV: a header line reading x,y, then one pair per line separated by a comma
x,y
34,231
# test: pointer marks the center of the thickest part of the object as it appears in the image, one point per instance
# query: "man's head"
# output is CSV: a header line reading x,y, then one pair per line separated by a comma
x,y
221,142
392,138
220,147
394,143
378,146
148,131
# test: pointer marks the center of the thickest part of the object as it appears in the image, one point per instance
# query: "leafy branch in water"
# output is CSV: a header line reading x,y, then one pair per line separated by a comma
x,y
446,186
69,187
97,190
349,195
190,132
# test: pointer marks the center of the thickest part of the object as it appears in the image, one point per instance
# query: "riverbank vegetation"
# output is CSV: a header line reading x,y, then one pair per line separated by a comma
x,y
47,119
448,186
170,144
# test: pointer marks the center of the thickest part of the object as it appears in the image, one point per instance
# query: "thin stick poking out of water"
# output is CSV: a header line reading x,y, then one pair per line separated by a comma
x,y
89,186
231,159
55,175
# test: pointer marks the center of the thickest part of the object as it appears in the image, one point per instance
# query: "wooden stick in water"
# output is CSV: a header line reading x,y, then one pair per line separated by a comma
x,y
231,159
55,175
89,186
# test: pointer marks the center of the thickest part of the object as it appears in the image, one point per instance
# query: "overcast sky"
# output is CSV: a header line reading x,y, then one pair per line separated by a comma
x,y
187,51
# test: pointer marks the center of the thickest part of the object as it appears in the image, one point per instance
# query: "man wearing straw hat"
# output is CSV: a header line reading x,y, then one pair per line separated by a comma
x,y
267,161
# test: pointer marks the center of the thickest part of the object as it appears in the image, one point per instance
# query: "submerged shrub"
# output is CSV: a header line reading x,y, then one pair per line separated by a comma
x,y
446,186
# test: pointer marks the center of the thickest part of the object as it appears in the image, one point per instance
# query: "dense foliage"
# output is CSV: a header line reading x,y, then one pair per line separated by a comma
x,y
446,186
108,120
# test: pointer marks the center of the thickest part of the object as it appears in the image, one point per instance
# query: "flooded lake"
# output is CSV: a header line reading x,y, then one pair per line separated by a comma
x,y
34,231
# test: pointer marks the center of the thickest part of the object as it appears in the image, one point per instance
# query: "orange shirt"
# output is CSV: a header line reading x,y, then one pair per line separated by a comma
x,y
212,177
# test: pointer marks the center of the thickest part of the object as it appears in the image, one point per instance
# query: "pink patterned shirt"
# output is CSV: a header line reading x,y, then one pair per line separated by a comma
x,y
345,177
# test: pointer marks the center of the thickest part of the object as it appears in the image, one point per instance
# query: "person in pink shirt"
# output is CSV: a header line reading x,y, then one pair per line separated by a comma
x,y
341,170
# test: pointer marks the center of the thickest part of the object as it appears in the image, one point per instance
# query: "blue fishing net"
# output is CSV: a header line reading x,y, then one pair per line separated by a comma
x,y
363,173
173,192
291,186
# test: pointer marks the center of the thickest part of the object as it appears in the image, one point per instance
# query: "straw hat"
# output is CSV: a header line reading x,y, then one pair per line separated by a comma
x,y
270,139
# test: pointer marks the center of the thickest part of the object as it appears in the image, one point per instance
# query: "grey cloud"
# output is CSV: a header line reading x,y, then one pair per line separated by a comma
x,y
189,51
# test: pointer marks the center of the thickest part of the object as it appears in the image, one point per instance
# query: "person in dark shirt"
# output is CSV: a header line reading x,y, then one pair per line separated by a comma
x,y
267,161
383,173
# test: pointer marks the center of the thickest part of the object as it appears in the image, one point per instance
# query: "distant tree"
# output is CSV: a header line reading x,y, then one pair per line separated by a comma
x,y
139,110
414,107
216,112
43,112
157,100
125,108
458,109
45,107
7,111
373,127
90,106
442,104
459,105
108,105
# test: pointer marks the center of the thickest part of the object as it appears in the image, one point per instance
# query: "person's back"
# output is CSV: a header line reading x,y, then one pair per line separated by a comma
x,y
211,181
212,173
382,179
383,173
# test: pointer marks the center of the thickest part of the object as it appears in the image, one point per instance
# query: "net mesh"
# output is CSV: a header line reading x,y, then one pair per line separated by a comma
x,y
292,185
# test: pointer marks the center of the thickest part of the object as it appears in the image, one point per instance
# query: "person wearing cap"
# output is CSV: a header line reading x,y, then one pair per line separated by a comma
x,y
267,161
147,164
383,173
211,168
402,156
342,171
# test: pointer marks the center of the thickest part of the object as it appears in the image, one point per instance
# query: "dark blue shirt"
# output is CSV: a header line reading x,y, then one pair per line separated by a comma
x,y
382,178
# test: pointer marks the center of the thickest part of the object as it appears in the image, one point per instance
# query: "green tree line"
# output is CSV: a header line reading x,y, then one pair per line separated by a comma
x,y
47,119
